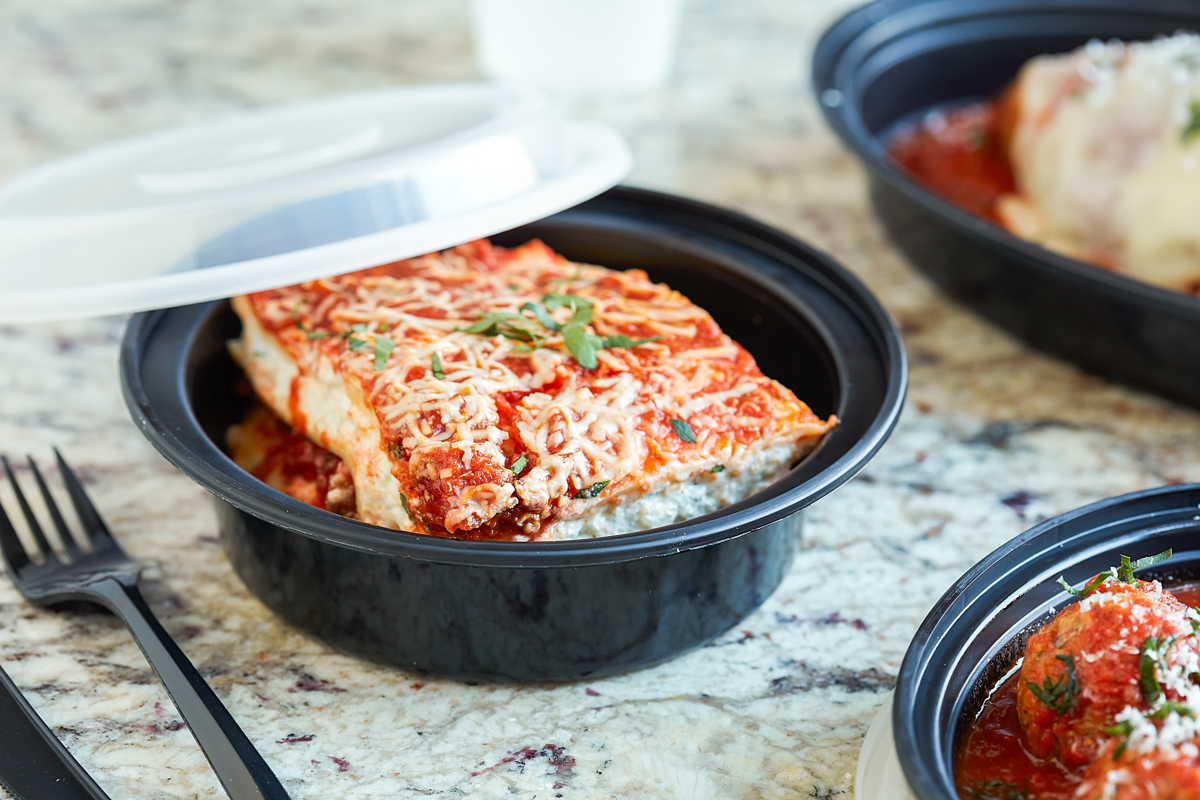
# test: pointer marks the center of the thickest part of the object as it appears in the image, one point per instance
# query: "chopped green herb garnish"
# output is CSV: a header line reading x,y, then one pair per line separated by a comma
x,y
590,491
404,502
488,324
1149,655
359,327
576,339
579,343
383,326
1086,590
519,334
519,465
683,430
1058,695
542,315
555,300
512,287
1168,708
1192,129
300,326
1126,570
1125,728
383,349
356,344
437,367
718,468
621,340
1124,573
1122,729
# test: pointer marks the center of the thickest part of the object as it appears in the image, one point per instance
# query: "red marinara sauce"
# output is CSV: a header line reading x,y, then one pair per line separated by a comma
x,y
993,762
959,155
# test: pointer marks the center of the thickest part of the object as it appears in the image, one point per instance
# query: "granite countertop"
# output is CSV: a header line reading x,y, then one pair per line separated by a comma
x,y
994,438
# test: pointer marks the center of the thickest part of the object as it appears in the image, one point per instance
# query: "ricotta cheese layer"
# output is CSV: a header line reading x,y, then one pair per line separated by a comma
x,y
485,392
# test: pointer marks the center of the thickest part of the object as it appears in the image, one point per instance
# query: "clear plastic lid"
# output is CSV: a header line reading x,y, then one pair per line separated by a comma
x,y
274,197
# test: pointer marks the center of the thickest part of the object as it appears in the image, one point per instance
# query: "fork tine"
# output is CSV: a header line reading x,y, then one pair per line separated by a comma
x,y
10,545
30,519
93,525
64,533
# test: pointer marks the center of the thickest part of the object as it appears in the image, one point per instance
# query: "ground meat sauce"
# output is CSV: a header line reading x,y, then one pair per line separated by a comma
x,y
957,154
994,760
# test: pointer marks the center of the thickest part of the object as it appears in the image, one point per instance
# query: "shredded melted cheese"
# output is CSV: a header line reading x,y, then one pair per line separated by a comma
x,y
589,436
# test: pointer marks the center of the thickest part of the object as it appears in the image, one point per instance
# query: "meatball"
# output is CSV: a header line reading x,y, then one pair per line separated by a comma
x,y
1084,668
1163,773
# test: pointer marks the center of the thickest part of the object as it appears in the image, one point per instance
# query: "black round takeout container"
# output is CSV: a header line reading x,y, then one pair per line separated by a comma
x,y
978,629
534,611
889,62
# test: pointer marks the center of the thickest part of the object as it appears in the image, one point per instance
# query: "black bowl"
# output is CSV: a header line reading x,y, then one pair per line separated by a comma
x,y
536,611
891,61
978,628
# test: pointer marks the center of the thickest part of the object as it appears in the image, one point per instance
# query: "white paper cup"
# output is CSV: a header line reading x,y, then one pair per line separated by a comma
x,y
576,45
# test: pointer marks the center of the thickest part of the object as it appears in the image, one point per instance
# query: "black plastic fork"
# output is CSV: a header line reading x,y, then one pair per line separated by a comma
x,y
104,574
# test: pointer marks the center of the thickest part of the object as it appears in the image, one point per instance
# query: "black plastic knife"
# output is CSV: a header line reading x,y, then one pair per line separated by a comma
x,y
34,765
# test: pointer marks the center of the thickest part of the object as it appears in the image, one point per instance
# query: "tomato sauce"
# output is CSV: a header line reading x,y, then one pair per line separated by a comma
x,y
958,154
993,761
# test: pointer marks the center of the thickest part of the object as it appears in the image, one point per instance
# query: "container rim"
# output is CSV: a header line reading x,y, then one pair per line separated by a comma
x,y
198,457
848,45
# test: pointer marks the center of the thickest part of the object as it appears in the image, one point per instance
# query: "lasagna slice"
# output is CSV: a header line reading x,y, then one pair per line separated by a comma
x,y
497,393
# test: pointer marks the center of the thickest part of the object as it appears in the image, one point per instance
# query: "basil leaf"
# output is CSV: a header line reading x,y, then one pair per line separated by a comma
x,y
383,349
316,334
359,327
487,323
621,340
517,333
543,316
437,367
1058,695
590,491
683,430
1147,676
356,344
1150,561
1086,590
718,468
519,465
576,340
574,302
1167,708
1122,729
1126,570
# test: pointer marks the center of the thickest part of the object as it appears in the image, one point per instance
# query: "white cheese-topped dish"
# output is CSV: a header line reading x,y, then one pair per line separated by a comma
x,y
1105,149
489,392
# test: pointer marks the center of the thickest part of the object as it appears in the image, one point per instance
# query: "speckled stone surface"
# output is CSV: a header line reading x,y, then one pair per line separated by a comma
x,y
995,437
